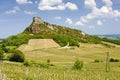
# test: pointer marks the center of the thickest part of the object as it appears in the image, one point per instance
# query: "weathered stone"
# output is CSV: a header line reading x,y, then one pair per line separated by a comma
x,y
34,29
50,26
37,20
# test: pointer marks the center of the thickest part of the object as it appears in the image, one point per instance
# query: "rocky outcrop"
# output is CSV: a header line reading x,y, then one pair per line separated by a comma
x,y
37,20
34,29
35,25
50,26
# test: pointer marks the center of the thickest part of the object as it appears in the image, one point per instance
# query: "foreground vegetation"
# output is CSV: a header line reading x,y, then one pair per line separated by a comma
x,y
62,61
90,71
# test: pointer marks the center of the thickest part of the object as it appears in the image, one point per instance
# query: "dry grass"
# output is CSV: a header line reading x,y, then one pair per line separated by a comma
x,y
34,44
85,53
63,59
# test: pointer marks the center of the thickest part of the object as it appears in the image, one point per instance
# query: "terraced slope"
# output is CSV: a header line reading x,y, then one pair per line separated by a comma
x,y
34,44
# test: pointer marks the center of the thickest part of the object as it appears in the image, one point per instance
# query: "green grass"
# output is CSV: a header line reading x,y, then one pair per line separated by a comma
x,y
90,71
63,59
11,47
69,55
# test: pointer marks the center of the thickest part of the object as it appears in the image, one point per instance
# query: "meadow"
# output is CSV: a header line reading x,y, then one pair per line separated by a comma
x,y
63,60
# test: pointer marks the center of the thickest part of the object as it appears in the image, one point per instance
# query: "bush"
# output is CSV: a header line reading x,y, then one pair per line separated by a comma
x,y
114,60
27,63
78,64
17,56
111,60
35,64
44,65
96,60
1,54
48,61
41,65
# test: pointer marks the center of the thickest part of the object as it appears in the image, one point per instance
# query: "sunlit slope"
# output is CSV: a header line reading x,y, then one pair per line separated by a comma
x,y
66,56
35,44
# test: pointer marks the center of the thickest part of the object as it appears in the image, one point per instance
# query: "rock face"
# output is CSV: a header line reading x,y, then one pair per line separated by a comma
x,y
37,20
35,25
34,29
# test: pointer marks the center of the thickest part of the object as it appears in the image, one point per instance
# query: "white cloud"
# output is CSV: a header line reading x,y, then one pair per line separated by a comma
x,y
16,8
29,12
69,21
10,12
71,6
90,3
79,23
13,11
105,11
82,19
56,5
58,17
24,1
99,22
108,3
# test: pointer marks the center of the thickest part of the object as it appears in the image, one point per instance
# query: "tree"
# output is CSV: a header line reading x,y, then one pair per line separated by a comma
x,y
17,56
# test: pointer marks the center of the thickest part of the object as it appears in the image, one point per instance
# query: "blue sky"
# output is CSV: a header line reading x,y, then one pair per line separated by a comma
x,y
90,16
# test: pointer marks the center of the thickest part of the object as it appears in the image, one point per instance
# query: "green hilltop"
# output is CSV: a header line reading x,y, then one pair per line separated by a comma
x,y
40,29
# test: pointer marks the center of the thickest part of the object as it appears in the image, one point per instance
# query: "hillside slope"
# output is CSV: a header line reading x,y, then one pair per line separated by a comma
x,y
35,44
40,29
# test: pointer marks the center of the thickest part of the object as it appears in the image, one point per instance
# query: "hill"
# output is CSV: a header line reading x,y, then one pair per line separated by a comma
x,y
0,40
40,29
111,36
55,63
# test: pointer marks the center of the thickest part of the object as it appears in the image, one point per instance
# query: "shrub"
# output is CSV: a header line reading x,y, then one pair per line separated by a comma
x,y
48,61
78,64
27,63
35,64
17,56
42,65
1,54
114,60
111,60
96,60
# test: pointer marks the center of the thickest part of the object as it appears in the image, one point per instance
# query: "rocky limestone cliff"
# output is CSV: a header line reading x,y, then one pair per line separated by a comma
x,y
37,25
37,20
34,29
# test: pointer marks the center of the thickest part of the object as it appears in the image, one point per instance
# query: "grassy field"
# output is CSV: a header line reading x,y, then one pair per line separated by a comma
x,y
85,53
63,60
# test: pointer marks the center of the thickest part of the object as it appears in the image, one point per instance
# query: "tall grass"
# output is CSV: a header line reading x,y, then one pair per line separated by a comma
x,y
20,72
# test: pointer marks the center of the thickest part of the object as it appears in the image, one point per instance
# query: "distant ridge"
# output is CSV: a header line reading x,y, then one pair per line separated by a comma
x,y
1,40
111,36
